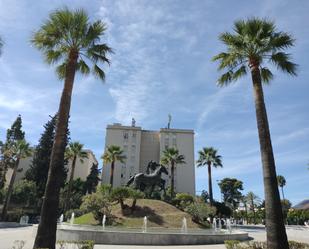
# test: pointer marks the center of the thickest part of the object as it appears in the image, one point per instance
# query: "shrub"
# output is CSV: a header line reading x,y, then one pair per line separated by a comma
x,y
234,244
297,217
99,204
119,194
135,194
24,192
83,244
231,244
183,200
200,212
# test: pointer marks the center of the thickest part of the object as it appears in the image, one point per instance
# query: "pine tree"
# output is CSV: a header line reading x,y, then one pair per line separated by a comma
x,y
12,135
92,179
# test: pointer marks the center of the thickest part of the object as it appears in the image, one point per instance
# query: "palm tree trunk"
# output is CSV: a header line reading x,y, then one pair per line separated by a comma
x,y
9,192
111,180
253,210
275,229
210,184
282,192
46,234
67,202
173,179
246,211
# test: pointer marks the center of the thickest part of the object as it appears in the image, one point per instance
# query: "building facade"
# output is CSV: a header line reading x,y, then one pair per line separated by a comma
x,y
82,168
141,146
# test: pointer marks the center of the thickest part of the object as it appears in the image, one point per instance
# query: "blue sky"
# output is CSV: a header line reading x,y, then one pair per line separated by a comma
x,y
162,64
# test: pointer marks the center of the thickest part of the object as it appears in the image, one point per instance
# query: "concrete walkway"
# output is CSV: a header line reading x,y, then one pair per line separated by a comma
x,y
9,235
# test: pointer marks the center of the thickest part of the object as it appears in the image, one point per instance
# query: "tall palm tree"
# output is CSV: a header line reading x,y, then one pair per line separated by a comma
x,y
253,200
113,154
73,152
245,202
208,157
281,183
172,157
252,45
69,39
15,151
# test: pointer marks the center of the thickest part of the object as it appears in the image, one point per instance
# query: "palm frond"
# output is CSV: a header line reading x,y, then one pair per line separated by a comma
x,y
83,67
266,75
61,70
98,72
52,56
241,71
225,78
281,60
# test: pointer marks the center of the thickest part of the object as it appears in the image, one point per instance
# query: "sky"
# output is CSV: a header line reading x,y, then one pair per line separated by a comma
x,y
162,64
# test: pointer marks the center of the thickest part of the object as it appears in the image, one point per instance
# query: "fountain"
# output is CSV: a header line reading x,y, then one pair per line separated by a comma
x,y
220,225
214,224
61,218
184,228
72,219
103,221
144,228
228,225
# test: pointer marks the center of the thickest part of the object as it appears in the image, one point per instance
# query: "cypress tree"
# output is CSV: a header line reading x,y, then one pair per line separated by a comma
x,y
12,135
38,171
92,179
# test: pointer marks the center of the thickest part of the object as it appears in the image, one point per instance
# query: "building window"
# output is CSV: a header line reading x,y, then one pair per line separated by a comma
x,y
134,137
132,158
133,149
125,136
166,141
174,142
125,150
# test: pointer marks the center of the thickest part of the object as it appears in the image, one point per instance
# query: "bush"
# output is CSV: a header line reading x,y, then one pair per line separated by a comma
x,y
83,244
135,195
297,217
234,244
119,194
183,200
24,192
76,195
200,211
14,216
99,204
231,244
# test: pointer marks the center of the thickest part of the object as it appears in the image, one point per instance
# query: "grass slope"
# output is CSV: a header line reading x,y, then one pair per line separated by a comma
x,y
159,214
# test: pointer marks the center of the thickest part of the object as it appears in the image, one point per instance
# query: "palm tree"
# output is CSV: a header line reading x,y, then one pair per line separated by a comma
x,y
69,39
244,201
253,43
74,151
208,156
281,183
172,157
113,154
253,200
15,151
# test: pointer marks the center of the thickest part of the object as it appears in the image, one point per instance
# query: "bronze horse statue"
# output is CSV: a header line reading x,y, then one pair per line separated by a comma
x,y
141,181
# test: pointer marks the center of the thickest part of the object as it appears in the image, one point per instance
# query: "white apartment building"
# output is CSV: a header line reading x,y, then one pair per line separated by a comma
x,y
82,169
142,146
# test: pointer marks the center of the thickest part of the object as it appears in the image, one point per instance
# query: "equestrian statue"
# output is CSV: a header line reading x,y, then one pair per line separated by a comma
x,y
141,181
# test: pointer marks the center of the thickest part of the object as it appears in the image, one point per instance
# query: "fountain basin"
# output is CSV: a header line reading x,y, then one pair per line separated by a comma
x,y
159,236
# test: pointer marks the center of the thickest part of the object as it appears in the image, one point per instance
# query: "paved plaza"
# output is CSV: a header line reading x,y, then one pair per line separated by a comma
x,y
9,235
